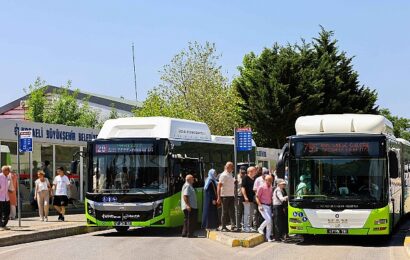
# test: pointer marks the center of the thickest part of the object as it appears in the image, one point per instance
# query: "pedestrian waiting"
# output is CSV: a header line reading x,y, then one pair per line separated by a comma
x,y
42,192
279,211
239,198
264,200
249,205
189,207
12,179
4,197
210,210
226,196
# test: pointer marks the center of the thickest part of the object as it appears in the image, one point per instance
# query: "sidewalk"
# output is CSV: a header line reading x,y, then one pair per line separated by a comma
x,y
32,229
234,239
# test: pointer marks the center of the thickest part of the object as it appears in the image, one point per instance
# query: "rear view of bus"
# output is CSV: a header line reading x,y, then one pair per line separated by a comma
x,y
345,176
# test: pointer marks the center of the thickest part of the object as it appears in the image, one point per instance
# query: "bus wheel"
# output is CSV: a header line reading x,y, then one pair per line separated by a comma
x,y
122,229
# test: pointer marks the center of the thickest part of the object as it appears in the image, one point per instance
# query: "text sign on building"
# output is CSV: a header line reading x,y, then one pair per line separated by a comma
x,y
26,141
243,139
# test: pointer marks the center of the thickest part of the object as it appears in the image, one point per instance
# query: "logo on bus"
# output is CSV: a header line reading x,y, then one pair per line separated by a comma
x,y
109,199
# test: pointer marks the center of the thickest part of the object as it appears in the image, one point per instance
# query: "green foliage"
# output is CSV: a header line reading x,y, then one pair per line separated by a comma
x,y
36,101
285,82
62,107
401,125
193,87
113,112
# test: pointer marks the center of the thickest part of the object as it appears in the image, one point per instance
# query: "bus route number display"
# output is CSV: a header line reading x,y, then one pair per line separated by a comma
x,y
124,148
336,148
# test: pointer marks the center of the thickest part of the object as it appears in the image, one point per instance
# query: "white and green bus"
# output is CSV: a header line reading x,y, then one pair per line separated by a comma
x,y
137,167
348,174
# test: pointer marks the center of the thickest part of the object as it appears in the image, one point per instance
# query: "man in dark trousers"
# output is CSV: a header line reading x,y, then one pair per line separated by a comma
x,y
189,207
226,197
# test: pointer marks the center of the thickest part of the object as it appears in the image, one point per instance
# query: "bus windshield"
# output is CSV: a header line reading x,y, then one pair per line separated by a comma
x,y
130,167
339,170
360,179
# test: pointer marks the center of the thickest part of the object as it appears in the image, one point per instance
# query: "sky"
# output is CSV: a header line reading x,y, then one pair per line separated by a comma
x,y
89,42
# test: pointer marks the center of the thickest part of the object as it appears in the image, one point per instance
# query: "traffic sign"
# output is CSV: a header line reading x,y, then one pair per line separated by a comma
x,y
25,141
243,137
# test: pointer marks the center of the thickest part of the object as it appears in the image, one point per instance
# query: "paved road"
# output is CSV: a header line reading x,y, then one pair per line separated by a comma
x,y
166,244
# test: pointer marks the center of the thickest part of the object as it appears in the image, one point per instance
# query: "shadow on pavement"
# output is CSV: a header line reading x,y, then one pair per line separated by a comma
x,y
150,232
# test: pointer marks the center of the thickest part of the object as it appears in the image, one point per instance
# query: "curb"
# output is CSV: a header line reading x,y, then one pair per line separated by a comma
x,y
48,234
250,241
406,243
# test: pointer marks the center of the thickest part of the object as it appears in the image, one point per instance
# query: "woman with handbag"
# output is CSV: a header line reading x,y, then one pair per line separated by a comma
x,y
210,210
42,194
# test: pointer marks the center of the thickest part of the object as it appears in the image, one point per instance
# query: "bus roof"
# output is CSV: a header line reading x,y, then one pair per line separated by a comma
x,y
403,141
4,149
155,127
342,124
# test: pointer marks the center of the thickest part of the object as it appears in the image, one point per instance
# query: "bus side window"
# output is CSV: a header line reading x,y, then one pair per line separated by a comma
x,y
393,165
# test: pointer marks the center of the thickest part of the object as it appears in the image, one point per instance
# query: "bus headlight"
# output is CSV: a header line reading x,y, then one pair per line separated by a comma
x,y
159,209
90,210
380,221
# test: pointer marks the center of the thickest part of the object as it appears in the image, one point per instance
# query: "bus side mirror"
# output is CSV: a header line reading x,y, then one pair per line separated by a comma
x,y
393,165
283,157
73,166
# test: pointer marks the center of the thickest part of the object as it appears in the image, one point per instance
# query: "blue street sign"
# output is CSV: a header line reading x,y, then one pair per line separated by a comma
x,y
243,139
26,141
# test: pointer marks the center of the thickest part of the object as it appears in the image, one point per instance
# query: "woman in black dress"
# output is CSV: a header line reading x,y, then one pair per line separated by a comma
x,y
210,211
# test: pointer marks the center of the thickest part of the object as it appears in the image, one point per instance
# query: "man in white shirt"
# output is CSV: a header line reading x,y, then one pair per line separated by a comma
x,y
4,197
61,184
226,196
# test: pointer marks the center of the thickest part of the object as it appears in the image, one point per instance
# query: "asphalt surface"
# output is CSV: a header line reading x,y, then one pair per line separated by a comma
x,y
167,244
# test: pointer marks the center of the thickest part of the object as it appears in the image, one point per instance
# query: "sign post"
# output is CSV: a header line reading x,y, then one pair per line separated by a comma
x,y
243,142
25,144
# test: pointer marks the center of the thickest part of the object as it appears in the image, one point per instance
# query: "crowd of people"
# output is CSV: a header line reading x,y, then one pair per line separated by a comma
x,y
254,201
44,193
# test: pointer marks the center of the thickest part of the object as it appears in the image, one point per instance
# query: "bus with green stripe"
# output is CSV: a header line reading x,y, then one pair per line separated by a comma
x,y
348,175
137,166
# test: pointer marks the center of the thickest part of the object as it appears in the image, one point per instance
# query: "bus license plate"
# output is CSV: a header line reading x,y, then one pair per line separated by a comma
x,y
337,231
122,223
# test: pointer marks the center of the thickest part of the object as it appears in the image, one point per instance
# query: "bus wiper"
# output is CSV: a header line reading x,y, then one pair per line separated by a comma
x,y
314,196
145,193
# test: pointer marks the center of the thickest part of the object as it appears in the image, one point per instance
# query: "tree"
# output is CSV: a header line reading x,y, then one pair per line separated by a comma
x,y
113,112
36,101
65,109
401,125
193,87
62,108
285,82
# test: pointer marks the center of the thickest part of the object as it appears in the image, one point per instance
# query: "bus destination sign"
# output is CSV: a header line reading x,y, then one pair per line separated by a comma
x,y
124,148
339,148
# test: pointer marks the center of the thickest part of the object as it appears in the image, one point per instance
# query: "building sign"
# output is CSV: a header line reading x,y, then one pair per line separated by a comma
x,y
25,141
47,133
243,137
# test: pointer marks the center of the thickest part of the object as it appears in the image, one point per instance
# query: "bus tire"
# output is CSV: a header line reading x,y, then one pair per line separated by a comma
x,y
122,229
